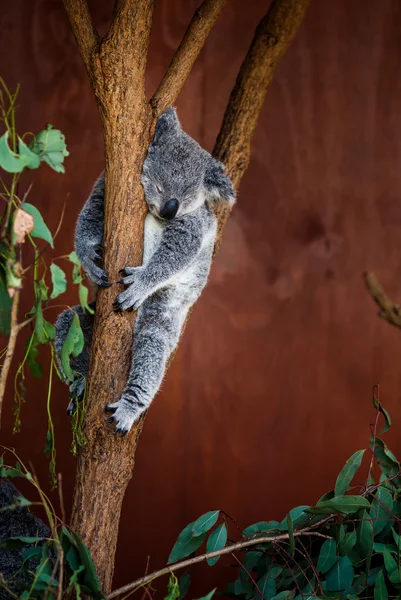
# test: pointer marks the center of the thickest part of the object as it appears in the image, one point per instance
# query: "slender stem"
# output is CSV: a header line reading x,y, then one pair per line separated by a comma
x,y
15,329
228,550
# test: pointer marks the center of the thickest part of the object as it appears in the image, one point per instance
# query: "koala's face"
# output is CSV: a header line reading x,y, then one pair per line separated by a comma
x,y
178,175
174,170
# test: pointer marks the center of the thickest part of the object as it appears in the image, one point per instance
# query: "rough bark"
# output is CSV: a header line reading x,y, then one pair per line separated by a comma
x,y
116,66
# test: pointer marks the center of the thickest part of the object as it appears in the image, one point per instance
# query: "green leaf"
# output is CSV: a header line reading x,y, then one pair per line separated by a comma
x,y
31,553
33,365
186,543
49,145
365,535
173,590
261,527
185,582
291,538
217,540
389,562
267,583
209,596
286,595
388,463
73,257
15,163
39,324
349,541
380,592
40,229
15,543
382,507
5,306
83,298
339,504
205,522
340,577
59,281
73,346
298,516
387,419
327,556
347,473
90,576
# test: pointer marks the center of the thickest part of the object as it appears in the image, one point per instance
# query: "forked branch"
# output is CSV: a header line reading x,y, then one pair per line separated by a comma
x,y
186,54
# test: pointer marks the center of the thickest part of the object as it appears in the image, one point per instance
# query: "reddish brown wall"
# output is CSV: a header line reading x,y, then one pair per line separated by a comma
x,y
270,390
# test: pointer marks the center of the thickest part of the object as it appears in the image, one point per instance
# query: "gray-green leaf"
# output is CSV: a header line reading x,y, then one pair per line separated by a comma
x,y
59,281
347,473
40,229
217,540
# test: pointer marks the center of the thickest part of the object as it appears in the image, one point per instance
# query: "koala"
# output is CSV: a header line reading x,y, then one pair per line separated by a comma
x,y
16,521
181,182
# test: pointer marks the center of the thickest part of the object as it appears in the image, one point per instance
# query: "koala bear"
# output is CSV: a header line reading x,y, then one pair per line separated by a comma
x,y
181,182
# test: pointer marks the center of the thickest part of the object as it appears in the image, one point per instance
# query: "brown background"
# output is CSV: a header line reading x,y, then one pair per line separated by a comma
x,y
270,390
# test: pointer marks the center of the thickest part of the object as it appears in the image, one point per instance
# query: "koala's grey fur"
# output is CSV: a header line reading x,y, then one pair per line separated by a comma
x,y
14,522
181,181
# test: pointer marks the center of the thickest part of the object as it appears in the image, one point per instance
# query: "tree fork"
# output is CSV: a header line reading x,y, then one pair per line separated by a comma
x,y
116,68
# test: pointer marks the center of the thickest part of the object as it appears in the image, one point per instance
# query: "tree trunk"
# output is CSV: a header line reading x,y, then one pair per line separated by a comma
x,y
116,67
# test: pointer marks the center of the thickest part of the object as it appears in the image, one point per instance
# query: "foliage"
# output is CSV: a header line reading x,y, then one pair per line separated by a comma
x,y
347,546
21,222
63,563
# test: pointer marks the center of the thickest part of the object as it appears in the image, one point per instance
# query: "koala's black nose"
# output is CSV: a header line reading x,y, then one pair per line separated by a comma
x,y
170,209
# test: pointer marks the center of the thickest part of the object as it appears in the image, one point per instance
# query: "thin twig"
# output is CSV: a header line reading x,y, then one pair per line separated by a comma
x,y
389,311
251,578
14,330
228,550
186,54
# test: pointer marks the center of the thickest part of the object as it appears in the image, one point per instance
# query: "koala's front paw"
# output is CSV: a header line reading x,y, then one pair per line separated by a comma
x,y
132,298
125,415
93,264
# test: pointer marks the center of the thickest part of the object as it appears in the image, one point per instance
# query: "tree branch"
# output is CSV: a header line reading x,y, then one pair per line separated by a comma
x,y
308,531
186,54
14,331
389,311
82,27
272,38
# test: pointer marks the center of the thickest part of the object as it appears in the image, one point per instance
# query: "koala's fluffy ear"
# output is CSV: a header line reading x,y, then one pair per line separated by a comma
x,y
167,123
217,184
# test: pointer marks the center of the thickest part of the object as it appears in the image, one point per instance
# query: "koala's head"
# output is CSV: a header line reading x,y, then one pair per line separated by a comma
x,y
178,175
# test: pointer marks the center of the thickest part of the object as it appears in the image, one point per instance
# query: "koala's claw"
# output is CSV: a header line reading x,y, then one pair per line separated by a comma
x,y
124,416
72,407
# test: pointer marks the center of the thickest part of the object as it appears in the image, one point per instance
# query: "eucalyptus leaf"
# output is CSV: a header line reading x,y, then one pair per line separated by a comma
x,y
40,229
205,522
327,556
186,543
348,472
59,281
217,540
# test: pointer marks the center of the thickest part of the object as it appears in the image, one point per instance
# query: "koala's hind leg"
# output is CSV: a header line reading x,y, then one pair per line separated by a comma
x,y
79,364
157,331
